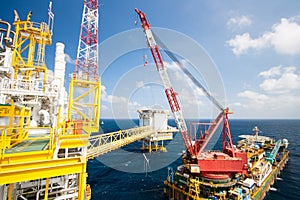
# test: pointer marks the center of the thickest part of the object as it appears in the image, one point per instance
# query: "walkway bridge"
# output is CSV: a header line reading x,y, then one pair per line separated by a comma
x,y
104,143
34,157
44,143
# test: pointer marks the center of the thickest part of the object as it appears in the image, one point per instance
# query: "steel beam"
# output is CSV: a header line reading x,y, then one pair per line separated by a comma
x,y
12,173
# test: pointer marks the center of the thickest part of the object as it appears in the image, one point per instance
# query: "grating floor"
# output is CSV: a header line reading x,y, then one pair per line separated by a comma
x,y
29,145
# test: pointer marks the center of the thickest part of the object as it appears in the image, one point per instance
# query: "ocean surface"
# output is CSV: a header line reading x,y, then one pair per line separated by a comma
x,y
127,173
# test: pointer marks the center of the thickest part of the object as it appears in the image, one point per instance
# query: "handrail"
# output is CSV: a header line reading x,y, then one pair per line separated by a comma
x,y
32,86
103,143
34,25
98,144
5,139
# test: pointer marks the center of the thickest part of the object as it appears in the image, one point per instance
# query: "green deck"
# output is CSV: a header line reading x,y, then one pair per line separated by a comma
x,y
28,146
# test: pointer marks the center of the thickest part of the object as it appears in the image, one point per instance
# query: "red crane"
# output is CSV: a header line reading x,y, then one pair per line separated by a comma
x,y
227,162
170,93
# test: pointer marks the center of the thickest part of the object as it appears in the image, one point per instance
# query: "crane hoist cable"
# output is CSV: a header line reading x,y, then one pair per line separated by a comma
x,y
186,71
200,146
193,147
169,91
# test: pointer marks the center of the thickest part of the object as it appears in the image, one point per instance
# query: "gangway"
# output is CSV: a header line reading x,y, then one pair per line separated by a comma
x,y
274,152
104,143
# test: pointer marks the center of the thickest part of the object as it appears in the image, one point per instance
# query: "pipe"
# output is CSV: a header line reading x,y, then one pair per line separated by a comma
x,y
8,30
41,190
56,192
12,45
2,30
22,197
10,69
67,196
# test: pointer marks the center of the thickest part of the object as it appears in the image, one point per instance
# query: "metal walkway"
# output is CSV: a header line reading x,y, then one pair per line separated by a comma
x,y
96,145
29,145
104,143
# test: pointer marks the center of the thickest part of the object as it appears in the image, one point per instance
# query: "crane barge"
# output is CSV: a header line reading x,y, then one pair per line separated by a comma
x,y
232,173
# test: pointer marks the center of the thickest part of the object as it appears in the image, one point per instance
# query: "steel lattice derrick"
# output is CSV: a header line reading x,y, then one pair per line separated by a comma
x,y
87,53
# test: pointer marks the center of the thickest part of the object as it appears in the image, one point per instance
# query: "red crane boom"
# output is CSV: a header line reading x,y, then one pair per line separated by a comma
x,y
210,163
170,93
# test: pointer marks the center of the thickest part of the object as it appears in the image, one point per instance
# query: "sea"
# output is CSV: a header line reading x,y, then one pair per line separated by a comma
x,y
129,173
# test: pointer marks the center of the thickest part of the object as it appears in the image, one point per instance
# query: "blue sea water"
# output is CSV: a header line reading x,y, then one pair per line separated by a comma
x,y
125,174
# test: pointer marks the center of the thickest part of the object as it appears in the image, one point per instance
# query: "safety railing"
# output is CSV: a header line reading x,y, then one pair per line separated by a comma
x,y
32,87
47,141
104,143
41,27
98,144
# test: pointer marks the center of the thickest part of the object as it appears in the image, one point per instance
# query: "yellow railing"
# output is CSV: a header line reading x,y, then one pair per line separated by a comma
x,y
104,143
7,139
34,25
71,135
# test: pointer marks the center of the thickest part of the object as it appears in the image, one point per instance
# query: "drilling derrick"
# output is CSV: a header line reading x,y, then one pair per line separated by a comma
x,y
84,101
87,53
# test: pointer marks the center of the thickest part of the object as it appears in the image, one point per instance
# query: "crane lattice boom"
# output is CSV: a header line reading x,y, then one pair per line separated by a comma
x,y
170,93
230,160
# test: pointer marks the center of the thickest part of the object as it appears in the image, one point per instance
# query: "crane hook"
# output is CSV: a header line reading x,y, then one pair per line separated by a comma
x,y
145,60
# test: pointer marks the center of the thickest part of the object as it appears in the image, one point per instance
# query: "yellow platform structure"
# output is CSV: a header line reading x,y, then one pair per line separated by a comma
x,y
43,150
51,161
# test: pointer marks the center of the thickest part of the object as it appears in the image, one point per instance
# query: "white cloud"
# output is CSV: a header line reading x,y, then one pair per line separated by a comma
x,y
104,107
274,71
173,66
199,92
69,60
284,38
117,106
242,43
277,97
285,81
258,105
110,98
236,104
134,104
103,91
239,21
141,84
255,97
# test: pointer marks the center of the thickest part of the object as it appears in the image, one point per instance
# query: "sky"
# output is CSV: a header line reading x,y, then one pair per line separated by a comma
x,y
246,53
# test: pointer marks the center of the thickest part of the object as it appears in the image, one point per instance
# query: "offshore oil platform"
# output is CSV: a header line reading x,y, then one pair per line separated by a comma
x,y
46,132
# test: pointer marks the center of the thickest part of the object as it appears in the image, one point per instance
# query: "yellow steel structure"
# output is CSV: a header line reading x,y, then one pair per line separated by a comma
x,y
149,144
24,171
84,104
104,143
18,118
26,158
45,153
29,53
